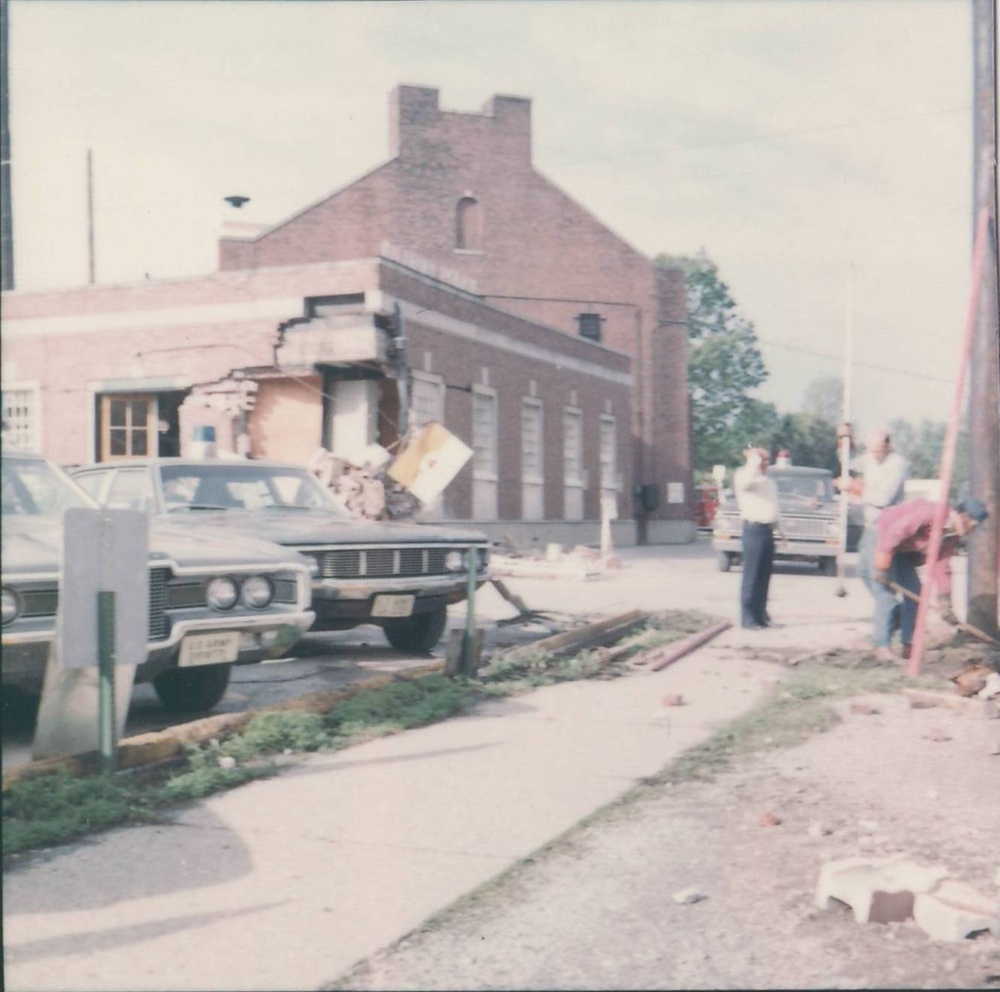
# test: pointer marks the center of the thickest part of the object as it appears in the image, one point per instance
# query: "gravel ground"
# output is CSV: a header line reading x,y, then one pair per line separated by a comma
x,y
595,910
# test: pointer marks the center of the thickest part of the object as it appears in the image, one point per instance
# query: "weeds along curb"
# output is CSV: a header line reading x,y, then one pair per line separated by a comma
x,y
164,745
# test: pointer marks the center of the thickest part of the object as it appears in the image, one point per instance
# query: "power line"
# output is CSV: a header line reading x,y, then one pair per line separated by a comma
x,y
866,365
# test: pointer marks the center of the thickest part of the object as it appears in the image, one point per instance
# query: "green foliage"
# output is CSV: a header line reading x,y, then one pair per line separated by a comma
x,y
279,731
58,807
398,706
724,364
922,446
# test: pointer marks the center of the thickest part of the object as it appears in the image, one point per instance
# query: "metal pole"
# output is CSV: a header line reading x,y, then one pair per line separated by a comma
x,y
948,457
90,217
845,441
106,669
402,372
6,202
469,640
984,368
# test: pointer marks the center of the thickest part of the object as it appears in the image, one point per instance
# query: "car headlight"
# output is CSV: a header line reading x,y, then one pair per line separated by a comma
x,y
11,605
454,561
222,593
256,592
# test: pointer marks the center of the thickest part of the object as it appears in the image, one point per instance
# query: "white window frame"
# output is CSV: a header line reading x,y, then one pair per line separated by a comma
x,y
19,438
610,476
430,386
490,471
533,482
574,475
485,478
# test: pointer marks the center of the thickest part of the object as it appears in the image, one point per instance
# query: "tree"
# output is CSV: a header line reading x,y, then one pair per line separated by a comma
x,y
824,399
923,448
724,364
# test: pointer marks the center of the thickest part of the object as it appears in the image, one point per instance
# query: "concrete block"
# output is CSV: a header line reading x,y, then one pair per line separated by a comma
x,y
878,890
953,910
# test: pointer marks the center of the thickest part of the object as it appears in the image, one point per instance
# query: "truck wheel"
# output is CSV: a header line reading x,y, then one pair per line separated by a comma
x,y
724,560
200,688
417,634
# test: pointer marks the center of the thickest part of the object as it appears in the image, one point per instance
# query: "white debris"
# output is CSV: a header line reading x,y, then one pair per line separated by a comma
x,y
687,896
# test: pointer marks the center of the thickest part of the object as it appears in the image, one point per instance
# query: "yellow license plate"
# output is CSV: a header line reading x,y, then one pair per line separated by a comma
x,y
209,649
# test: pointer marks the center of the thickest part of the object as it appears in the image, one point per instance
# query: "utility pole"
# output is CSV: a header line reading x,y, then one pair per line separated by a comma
x,y
984,370
90,217
6,214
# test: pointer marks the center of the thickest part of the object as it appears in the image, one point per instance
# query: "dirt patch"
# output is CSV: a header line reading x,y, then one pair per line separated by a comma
x,y
596,909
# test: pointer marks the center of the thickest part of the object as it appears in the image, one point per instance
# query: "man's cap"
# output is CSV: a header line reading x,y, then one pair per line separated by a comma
x,y
974,509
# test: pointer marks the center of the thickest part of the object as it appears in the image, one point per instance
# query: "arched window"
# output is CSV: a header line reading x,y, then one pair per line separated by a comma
x,y
468,225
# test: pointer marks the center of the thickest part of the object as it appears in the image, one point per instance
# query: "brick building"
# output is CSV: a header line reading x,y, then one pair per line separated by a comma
x,y
538,336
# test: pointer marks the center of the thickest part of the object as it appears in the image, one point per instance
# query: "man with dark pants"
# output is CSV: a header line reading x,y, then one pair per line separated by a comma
x,y
757,498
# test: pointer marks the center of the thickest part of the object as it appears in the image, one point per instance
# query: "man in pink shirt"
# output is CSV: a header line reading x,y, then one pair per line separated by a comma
x,y
904,535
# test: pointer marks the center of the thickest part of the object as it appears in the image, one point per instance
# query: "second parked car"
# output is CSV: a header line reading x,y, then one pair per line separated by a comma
x,y
400,576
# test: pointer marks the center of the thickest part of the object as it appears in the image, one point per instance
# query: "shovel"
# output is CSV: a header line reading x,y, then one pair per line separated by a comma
x,y
967,627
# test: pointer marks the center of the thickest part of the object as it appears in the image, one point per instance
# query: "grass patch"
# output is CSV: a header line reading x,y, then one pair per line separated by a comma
x,y
58,808
797,711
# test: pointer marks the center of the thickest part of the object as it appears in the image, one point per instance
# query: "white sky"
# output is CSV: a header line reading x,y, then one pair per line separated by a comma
x,y
789,139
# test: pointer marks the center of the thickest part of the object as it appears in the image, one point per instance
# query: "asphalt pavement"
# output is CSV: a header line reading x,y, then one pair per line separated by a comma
x,y
289,882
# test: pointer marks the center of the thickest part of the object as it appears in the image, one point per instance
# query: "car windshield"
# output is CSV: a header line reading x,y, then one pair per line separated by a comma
x,y
804,486
33,487
243,486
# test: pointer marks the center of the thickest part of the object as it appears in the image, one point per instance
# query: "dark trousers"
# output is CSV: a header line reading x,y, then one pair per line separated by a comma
x,y
758,560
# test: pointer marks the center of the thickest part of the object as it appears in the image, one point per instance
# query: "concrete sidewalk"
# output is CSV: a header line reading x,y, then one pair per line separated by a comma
x,y
286,883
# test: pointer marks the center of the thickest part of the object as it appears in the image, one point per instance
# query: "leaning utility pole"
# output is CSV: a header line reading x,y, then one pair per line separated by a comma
x,y
6,215
984,379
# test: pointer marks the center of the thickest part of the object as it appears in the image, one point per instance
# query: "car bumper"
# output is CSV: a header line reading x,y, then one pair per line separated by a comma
x,y
347,604
269,635
783,551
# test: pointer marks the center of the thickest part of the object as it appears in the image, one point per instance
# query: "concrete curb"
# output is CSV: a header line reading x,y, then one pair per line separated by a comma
x,y
163,745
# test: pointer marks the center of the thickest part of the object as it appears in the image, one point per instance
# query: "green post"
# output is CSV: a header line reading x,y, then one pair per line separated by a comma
x,y
106,667
469,641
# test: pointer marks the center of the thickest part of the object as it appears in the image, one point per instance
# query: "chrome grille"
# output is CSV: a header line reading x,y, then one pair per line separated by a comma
x,y
40,602
286,591
159,625
806,527
382,563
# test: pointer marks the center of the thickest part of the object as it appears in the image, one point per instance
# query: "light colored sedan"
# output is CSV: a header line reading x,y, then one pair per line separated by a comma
x,y
400,576
214,599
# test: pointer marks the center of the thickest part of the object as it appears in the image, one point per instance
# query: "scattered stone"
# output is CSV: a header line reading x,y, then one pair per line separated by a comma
x,y
770,820
674,701
937,734
685,897
867,826
819,830
864,709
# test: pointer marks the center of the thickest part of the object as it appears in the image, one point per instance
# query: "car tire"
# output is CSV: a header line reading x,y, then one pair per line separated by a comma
x,y
828,566
724,560
417,634
182,689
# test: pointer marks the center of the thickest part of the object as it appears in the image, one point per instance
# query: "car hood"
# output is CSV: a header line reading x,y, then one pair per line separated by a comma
x,y
34,545
300,527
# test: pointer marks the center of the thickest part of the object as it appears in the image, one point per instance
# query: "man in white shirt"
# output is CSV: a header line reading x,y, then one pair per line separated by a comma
x,y
881,483
757,498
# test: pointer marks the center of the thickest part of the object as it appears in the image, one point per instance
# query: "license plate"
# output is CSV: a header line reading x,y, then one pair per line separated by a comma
x,y
209,649
392,606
